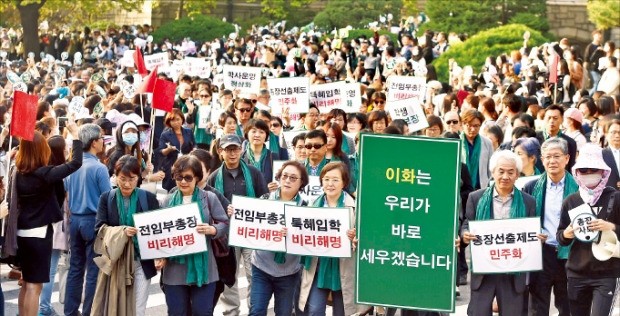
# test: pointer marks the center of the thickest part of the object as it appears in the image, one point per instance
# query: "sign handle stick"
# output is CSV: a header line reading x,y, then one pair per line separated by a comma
x,y
141,106
555,93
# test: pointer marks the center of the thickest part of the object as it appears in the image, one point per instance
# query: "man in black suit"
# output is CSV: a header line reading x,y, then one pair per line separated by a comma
x,y
554,115
509,288
611,155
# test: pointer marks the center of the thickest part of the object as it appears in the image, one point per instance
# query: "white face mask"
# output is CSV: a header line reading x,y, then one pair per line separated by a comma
x,y
371,50
235,60
590,180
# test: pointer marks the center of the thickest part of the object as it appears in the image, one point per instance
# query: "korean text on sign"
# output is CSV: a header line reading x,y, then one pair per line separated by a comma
x,y
257,224
507,245
316,231
410,111
245,79
291,93
405,87
169,232
328,96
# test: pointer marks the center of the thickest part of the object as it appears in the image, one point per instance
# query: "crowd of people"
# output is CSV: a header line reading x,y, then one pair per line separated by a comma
x,y
86,172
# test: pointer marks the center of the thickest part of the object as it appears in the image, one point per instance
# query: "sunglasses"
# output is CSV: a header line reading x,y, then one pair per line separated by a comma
x,y
379,101
205,96
275,125
285,177
248,101
315,146
187,178
245,110
587,170
450,122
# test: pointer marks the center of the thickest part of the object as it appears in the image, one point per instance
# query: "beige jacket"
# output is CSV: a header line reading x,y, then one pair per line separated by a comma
x,y
347,275
114,294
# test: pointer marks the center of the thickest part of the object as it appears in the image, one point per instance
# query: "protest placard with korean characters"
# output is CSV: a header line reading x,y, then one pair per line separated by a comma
x,y
257,224
169,232
155,60
292,93
353,97
246,79
410,111
407,213
506,245
204,115
318,231
405,87
313,189
328,96
194,66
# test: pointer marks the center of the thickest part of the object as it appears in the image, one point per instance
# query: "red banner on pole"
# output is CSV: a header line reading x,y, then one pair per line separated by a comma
x,y
163,96
148,84
139,61
24,116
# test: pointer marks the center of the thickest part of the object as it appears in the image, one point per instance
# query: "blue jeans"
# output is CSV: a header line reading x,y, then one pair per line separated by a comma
x,y
45,301
265,285
82,237
183,300
596,77
317,301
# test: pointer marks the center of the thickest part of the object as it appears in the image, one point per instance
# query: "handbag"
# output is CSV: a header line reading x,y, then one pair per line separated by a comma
x,y
219,245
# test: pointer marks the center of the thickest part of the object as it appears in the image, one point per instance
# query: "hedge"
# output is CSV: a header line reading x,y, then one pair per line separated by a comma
x,y
198,28
492,42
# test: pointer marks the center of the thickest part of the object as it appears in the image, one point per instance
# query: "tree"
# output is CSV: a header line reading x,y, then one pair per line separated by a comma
x,y
357,13
279,9
472,16
605,14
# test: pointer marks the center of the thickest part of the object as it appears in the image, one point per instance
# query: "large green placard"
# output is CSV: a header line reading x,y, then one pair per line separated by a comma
x,y
407,220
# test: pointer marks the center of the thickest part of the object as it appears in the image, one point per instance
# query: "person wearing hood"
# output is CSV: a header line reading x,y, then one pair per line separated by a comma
x,y
128,142
592,283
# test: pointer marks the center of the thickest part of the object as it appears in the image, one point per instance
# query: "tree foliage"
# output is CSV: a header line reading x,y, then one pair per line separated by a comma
x,y
493,42
357,13
473,16
605,14
200,28
279,9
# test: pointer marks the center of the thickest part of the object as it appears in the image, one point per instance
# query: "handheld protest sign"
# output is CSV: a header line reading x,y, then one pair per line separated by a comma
x,y
64,56
129,91
13,77
96,77
580,227
169,232
20,86
257,224
26,76
76,104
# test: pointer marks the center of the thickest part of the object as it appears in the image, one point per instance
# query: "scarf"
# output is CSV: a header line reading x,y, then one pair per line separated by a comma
x,y
249,155
328,274
125,216
570,187
547,136
200,134
197,263
472,160
318,168
485,205
591,196
280,257
274,143
247,175
239,132
345,145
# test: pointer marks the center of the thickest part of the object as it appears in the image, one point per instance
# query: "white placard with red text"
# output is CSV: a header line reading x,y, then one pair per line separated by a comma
x,y
155,60
245,79
257,224
410,111
405,87
292,93
169,232
505,246
328,96
318,231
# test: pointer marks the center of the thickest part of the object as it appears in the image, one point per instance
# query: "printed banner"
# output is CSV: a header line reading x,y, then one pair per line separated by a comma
x,y
505,246
318,231
156,60
291,93
257,224
401,200
405,87
246,79
169,232
194,66
410,111
353,95
328,96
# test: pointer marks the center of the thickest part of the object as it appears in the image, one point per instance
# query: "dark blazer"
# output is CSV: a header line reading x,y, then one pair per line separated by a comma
x,y
572,149
108,214
614,176
168,136
470,215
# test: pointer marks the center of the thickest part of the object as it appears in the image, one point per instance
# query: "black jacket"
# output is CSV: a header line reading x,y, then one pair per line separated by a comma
x,y
236,185
614,176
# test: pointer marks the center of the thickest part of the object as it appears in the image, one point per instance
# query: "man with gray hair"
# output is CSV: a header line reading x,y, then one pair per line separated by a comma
x,y
84,187
500,200
553,186
262,100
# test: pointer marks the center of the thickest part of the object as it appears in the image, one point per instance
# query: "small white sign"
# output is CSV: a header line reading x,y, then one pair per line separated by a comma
x,y
257,224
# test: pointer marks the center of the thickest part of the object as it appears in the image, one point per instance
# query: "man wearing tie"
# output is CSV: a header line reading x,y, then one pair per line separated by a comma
x,y
611,155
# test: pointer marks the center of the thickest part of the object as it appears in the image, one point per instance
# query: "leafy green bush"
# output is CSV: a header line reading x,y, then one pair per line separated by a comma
x,y
531,20
198,28
357,33
492,42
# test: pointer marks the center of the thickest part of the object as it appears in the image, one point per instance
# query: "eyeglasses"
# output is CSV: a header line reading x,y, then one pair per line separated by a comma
x,y
379,101
450,122
245,110
234,149
127,180
275,125
205,96
285,177
587,170
315,146
554,157
248,101
180,178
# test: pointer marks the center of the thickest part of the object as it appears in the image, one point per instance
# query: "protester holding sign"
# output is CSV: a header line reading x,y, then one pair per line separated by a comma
x,y
199,118
592,282
324,275
189,280
502,200
175,141
116,208
553,186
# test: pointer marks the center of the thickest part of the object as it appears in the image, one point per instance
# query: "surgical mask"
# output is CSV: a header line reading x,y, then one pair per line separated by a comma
x,y
235,60
590,180
130,138
371,50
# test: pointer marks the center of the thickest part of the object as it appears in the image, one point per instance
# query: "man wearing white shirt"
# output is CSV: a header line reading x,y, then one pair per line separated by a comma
x,y
611,154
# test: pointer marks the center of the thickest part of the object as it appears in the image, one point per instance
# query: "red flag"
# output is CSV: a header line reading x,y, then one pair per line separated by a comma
x,y
163,95
553,69
148,83
139,61
24,115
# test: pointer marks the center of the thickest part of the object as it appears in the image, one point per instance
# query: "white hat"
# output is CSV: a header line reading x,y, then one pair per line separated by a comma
x,y
136,119
590,156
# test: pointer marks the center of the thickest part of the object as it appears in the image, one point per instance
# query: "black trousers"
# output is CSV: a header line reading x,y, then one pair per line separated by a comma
x,y
592,297
551,278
